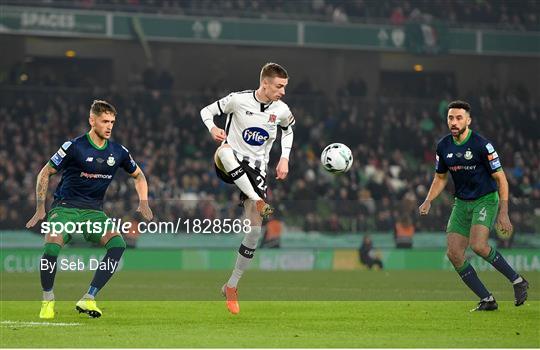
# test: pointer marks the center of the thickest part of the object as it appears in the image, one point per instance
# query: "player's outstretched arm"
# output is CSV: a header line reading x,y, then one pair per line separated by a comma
x,y
141,186
503,220
42,184
438,184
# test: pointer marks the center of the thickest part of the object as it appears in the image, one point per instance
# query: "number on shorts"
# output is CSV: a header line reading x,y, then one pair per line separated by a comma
x,y
483,214
261,184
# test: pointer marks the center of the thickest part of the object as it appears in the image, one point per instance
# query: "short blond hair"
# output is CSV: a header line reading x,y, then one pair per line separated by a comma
x,y
100,106
272,70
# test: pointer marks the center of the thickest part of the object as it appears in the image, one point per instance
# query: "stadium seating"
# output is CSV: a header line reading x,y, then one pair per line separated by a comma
x,y
392,140
502,14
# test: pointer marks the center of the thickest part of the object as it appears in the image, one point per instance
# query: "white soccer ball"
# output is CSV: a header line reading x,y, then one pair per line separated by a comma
x,y
336,158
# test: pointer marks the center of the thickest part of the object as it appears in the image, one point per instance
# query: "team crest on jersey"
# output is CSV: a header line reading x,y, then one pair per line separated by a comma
x,y
110,161
468,155
272,118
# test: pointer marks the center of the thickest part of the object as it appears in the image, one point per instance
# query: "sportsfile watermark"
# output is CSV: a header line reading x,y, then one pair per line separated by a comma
x,y
196,226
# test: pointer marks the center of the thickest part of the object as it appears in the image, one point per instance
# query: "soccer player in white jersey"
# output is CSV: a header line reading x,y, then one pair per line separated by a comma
x,y
253,117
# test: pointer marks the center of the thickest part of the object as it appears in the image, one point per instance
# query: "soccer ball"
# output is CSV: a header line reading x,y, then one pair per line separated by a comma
x,y
336,158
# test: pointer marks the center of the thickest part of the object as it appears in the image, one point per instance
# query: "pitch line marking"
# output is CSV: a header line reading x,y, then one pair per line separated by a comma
x,y
37,324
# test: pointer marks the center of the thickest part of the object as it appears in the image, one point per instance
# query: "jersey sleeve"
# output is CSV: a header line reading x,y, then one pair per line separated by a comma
x,y
128,163
227,104
490,158
287,119
63,156
440,164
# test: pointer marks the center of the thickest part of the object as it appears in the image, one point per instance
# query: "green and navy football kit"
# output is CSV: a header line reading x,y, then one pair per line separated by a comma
x,y
87,170
471,164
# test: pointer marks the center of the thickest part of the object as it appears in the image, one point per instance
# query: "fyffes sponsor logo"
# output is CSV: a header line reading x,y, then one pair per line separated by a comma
x,y
255,136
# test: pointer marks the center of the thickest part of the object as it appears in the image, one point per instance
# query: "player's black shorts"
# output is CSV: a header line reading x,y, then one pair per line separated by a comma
x,y
257,179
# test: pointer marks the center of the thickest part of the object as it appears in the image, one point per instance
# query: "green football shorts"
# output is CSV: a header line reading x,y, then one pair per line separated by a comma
x,y
481,211
90,223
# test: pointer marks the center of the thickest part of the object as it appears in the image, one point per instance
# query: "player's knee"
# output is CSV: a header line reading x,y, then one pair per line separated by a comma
x,y
116,242
227,158
55,238
218,162
223,151
456,258
480,248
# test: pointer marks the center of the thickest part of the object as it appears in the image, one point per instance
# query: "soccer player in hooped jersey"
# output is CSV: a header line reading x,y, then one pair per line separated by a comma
x,y
253,117
88,164
480,183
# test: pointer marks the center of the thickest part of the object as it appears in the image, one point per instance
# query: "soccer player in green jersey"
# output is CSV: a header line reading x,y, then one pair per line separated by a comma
x,y
88,164
481,198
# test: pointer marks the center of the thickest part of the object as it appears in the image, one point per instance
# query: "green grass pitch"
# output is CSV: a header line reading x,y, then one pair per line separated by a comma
x,y
278,309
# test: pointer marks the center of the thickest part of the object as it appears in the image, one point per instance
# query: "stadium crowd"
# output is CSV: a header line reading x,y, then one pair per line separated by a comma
x,y
504,14
393,142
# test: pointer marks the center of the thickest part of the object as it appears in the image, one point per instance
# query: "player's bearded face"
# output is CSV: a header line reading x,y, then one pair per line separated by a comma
x,y
274,88
458,121
103,124
457,131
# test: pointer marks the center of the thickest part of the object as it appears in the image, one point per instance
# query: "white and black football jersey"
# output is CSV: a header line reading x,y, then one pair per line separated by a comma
x,y
251,125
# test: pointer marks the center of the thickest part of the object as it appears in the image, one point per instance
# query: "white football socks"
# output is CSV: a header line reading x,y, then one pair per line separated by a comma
x,y
518,280
250,241
88,296
48,295
226,155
